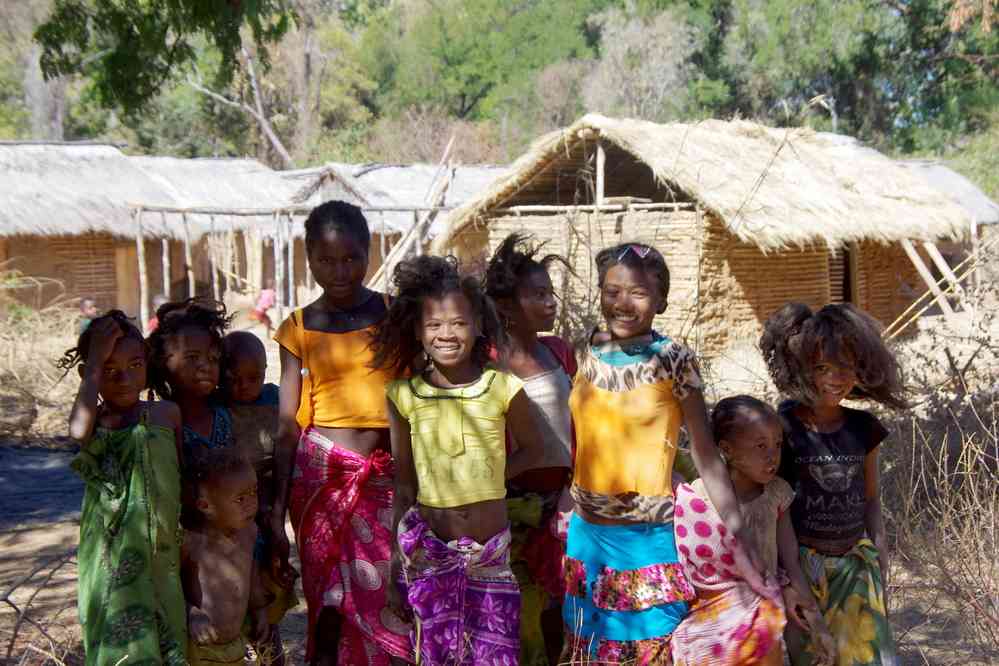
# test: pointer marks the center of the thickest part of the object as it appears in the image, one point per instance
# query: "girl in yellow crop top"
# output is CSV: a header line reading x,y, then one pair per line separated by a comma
x,y
448,427
333,467
625,589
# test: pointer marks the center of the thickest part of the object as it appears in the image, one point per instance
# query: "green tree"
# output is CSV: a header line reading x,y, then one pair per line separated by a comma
x,y
130,49
461,54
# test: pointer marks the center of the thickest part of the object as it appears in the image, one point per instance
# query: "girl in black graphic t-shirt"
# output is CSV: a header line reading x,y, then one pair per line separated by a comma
x,y
830,458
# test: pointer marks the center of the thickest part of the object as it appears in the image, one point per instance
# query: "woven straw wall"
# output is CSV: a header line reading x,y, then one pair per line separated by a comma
x,y
887,282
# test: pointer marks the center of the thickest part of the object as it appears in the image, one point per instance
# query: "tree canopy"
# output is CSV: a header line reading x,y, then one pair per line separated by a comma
x,y
392,79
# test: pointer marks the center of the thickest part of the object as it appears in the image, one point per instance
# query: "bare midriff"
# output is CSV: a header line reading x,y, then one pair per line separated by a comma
x,y
593,518
834,547
480,521
363,441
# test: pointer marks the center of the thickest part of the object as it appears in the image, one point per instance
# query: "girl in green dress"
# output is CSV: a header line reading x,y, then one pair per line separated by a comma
x,y
130,598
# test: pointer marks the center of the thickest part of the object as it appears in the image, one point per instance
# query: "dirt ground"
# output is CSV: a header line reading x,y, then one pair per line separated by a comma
x,y
39,513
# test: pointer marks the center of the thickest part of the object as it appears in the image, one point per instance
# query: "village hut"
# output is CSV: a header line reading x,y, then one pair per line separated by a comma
x,y
748,217
84,219
79,215
396,196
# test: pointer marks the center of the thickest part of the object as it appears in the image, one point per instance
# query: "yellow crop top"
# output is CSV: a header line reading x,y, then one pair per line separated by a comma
x,y
458,437
339,390
626,411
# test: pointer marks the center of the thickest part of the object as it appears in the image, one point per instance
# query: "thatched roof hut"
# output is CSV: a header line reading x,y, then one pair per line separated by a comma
x,y
72,189
109,221
748,217
403,187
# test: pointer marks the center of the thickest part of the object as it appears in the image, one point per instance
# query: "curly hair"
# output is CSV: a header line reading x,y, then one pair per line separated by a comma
x,y
514,259
207,315
395,343
338,216
636,255
730,414
78,354
794,339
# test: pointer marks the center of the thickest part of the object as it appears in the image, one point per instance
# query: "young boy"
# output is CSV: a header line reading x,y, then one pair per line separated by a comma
x,y
220,577
88,313
246,367
253,406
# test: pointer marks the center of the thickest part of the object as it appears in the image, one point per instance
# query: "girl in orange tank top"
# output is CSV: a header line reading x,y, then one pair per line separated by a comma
x,y
333,468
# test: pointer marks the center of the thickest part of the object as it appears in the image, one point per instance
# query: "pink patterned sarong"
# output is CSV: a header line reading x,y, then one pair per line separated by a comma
x,y
728,622
341,508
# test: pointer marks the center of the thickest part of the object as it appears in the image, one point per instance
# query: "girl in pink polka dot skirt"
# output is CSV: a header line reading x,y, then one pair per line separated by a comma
x,y
729,623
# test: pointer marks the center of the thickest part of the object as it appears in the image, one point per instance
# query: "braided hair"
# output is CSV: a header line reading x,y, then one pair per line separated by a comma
x,y
731,413
78,354
337,216
394,342
207,315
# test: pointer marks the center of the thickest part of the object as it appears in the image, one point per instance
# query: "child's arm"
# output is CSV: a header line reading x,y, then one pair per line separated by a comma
x,y
284,458
521,420
199,624
800,597
261,628
406,485
872,515
719,486
83,417
799,602
167,414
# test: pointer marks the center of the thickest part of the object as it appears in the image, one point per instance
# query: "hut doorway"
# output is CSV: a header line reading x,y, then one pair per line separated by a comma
x,y
842,272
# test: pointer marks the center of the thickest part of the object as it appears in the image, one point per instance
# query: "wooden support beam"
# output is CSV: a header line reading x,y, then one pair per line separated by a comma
x,y
382,252
140,255
278,273
165,261
945,270
601,166
291,263
211,243
927,276
188,258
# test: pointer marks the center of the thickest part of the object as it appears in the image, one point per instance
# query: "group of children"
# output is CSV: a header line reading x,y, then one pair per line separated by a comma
x,y
464,490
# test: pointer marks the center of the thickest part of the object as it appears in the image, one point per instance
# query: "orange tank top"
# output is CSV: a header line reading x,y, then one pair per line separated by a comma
x,y
339,389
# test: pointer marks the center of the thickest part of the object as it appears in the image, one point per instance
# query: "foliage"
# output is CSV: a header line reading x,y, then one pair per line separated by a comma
x,y
461,55
130,49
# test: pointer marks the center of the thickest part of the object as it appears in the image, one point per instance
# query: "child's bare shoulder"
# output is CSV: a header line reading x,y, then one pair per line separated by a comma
x,y
163,413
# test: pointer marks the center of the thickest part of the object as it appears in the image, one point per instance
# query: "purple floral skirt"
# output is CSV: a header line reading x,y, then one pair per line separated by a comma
x,y
464,596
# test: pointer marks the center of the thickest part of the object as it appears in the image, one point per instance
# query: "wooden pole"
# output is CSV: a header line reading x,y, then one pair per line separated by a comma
x,y
945,270
384,240
278,276
234,267
188,259
212,266
140,253
601,163
927,276
165,260
419,235
291,263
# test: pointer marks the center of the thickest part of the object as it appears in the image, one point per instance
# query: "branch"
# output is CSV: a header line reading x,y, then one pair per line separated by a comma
x,y
265,125
257,115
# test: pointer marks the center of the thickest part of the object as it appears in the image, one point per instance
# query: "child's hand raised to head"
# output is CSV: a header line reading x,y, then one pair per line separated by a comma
x,y
104,335
200,626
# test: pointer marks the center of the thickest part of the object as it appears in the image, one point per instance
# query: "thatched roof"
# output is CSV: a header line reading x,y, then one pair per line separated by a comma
x,y
964,192
67,189
389,186
771,187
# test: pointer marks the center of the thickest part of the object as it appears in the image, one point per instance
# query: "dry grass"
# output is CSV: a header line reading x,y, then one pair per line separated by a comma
x,y
33,401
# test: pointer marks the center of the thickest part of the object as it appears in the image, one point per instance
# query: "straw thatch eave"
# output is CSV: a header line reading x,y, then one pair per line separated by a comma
x,y
771,187
73,189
